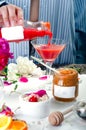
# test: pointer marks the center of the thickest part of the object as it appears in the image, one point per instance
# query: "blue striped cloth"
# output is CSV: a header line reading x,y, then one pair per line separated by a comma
x,y
80,30
80,14
60,13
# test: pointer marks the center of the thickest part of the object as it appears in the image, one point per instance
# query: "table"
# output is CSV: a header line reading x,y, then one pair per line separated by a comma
x,y
71,122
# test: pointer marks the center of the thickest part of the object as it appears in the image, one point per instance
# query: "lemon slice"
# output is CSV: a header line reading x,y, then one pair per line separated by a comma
x,y
5,121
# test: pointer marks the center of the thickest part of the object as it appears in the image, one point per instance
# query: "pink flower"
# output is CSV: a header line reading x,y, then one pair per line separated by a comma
x,y
41,92
43,77
23,79
6,110
6,83
4,53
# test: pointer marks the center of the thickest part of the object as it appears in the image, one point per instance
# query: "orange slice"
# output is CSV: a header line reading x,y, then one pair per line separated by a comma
x,y
18,125
5,122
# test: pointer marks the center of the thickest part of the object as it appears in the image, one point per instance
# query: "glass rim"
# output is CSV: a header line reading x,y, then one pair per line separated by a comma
x,y
52,39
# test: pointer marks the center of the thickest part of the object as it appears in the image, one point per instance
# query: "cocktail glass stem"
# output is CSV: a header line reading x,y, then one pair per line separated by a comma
x,y
48,71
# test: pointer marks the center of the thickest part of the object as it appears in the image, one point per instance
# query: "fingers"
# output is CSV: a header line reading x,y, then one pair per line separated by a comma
x,y
15,15
1,21
11,15
4,16
19,13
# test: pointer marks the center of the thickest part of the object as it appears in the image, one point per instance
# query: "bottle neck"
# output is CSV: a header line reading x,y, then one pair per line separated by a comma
x,y
30,34
40,25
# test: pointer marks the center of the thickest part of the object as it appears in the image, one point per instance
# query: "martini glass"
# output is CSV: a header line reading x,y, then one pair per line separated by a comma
x,y
48,50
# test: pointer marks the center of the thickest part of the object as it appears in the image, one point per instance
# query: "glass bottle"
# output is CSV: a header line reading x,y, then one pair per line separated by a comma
x,y
30,31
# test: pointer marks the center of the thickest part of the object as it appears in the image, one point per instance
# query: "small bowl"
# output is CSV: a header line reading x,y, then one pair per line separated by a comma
x,y
35,109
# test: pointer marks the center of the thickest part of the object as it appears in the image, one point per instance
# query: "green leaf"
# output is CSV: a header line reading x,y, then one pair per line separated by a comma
x,y
16,86
76,68
1,109
5,79
18,74
5,70
14,82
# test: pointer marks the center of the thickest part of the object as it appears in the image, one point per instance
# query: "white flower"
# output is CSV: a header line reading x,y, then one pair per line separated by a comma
x,y
38,72
25,66
13,67
12,76
12,71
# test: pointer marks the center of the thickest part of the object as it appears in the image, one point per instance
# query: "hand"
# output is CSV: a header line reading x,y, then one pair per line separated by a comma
x,y
10,15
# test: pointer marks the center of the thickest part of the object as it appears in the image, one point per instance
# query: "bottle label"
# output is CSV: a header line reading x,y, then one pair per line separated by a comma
x,y
64,92
12,33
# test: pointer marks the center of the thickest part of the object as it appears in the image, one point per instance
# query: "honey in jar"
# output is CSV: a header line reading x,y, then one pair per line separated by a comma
x,y
65,84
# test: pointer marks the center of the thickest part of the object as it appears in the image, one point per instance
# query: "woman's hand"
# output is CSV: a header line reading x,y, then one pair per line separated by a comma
x,y
10,15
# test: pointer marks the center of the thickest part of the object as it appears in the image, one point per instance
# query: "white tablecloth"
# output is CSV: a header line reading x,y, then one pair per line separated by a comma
x,y
71,122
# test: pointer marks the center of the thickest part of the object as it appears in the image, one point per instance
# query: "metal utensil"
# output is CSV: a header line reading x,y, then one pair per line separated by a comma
x,y
80,109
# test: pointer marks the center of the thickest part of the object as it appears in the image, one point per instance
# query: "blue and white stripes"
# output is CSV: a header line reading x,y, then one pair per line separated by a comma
x,y
60,13
80,14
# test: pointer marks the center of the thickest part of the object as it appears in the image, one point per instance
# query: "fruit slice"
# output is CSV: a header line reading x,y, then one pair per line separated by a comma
x,y
18,125
5,122
33,98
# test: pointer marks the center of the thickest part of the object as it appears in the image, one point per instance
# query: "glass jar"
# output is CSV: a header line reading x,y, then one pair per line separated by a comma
x,y
65,84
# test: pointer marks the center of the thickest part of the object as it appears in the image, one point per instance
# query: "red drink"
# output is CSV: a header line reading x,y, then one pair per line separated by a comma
x,y
49,52
30,34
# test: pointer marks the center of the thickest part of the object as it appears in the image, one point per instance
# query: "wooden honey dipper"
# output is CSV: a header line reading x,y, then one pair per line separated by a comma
x,y
56,118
